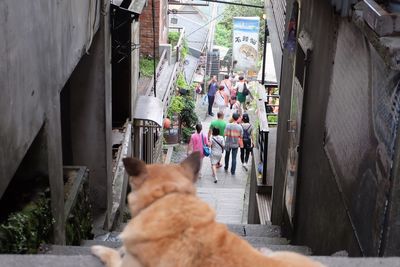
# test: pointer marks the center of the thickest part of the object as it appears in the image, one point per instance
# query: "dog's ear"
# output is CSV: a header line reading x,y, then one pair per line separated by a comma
x,y
192,165
136,169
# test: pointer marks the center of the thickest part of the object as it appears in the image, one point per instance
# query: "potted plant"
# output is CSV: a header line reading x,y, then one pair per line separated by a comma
x,y
171,134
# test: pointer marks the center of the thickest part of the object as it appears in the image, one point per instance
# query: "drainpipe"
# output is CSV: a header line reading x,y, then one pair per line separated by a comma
x,y
394,6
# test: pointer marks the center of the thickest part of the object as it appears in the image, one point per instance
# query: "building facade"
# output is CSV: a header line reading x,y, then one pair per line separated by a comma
x,y
336,175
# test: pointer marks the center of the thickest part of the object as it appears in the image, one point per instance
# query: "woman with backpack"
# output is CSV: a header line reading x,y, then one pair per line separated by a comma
x,y
242,91
247,139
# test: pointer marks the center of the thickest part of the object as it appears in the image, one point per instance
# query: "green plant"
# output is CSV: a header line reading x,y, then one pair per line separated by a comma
x,y
184,49
223,35
186,134
173,38
176,106
24,231
146,66
189,118
272,118
181,82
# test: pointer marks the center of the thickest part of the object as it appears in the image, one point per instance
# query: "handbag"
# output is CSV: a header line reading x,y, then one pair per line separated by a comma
x,y
206,149
245,91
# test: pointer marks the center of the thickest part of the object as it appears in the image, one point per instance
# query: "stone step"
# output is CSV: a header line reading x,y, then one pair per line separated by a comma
x,y
91,261
253,240
257,230
85,248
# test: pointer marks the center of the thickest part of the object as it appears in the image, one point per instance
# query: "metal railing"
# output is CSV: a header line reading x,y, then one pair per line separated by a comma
x,y
263,132
178,47
159,67
270,109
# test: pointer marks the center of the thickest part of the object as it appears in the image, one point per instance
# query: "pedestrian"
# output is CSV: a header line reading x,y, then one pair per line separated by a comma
x,y
219,124
248,142
235,106
221,99
233,133
240,85
212,89
227,86
196,143
217,149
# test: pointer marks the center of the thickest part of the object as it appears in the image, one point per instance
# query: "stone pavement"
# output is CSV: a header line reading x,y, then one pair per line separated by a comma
x,y
228,196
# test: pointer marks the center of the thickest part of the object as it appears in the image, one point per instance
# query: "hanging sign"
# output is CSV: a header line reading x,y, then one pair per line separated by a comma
x,y
245,42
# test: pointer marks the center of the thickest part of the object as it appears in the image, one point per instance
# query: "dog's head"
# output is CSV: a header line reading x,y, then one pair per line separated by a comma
x,y
151,182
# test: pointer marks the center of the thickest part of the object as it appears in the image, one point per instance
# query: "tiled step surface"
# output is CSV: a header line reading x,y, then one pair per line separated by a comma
x,y
257,230
258,242
91,261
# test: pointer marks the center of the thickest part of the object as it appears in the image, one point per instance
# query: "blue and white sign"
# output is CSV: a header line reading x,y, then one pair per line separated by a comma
x,y
245,42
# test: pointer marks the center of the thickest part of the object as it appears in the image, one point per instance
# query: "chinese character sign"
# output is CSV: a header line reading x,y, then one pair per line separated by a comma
x,y
245,42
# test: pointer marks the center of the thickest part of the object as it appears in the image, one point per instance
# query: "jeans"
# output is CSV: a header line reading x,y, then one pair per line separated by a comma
x,y
244,151
234,155
210,103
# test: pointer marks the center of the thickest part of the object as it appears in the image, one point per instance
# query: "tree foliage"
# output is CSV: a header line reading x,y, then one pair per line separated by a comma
x,y
225,26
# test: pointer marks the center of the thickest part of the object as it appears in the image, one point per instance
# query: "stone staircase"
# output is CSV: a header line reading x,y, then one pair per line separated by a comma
x,y
259,236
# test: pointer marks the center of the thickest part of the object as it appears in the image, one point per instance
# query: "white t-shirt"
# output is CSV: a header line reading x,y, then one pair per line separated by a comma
x,y
220,98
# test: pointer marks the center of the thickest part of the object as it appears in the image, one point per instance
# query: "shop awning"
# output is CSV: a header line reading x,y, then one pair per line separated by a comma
x,y
149,108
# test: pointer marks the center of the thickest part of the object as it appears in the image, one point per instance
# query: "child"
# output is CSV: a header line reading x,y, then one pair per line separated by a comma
x,y
235,107
217,148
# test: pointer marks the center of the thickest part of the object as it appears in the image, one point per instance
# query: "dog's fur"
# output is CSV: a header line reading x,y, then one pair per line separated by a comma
x,y
172,227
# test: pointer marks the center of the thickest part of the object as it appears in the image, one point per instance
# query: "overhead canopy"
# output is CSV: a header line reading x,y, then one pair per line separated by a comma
x,y
149,108
222,51
270,74
134,6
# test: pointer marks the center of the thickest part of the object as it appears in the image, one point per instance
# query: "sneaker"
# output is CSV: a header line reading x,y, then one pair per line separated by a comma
x,y
215,179
244,165
226,169
219,165
211,114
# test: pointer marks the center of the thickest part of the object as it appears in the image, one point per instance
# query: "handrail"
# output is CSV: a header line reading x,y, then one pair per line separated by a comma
x,y
263,131
158,68
178,45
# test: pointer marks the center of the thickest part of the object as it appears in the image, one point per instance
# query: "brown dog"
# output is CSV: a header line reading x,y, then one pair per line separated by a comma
x,y
172,227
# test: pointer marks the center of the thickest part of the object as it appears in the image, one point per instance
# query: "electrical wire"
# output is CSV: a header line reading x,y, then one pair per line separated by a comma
x,y
204,25
153,14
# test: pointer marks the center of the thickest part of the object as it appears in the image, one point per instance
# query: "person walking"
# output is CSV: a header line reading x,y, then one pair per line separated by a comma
x,y
235,107
227,84
212,89
248,142
233,132
196,143
241,97
217,149
221,99
219,124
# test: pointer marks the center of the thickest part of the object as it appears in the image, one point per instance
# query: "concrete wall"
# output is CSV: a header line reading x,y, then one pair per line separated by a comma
x,y
42,41
320,219
348,145
41,44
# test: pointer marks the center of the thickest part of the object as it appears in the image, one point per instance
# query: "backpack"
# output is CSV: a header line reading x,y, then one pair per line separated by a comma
x,y
246,137
245,90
